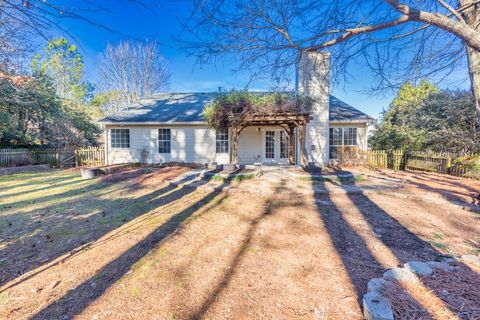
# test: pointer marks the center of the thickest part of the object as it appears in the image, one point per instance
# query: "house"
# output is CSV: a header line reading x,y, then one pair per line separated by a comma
x,y
170,127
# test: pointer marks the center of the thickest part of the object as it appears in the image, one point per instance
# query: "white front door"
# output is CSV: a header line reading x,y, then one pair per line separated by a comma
x,y
275,147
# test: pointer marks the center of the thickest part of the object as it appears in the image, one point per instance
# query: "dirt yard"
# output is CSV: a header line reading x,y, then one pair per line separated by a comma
x,y
279,246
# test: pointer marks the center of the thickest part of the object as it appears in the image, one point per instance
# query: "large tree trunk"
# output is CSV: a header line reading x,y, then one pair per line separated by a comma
x,y
474,68
472,17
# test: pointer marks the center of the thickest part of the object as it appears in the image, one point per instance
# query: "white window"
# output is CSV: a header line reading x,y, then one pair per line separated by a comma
x,y
284,145
120,138
221,140
270,144
341,137
164,144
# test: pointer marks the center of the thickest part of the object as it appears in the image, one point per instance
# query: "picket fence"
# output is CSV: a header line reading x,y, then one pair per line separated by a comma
x,y
420,161
55,157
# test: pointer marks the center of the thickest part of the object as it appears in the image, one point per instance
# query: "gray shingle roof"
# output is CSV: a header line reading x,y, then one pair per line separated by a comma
x,y
188,107
341,111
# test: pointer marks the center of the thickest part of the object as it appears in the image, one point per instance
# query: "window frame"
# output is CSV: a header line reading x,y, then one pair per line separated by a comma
x,y
162,143
270,145
222,140
118,140
335,142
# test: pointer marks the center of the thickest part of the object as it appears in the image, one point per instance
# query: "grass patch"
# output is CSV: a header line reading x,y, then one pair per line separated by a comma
x,y
438,235
439,245
235,178
334,179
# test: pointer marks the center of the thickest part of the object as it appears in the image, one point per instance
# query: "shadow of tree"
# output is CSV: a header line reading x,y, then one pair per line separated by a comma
x,y
79,298
359,260
357,257
50,233
445,186
269,207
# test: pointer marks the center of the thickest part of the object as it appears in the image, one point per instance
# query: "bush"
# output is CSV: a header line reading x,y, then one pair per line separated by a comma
x,y
471,165
351,156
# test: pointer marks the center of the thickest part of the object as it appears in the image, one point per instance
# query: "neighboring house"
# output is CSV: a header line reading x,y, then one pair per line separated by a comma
x,y
170,127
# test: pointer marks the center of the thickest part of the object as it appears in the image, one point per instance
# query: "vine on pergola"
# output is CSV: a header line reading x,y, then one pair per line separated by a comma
x,y
234,109
237,110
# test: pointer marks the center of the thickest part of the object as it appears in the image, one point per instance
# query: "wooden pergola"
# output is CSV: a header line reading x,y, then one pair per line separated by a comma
x,y
288,121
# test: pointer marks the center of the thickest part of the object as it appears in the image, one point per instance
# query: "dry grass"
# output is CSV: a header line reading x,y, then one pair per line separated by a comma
x,y
457,290
140,248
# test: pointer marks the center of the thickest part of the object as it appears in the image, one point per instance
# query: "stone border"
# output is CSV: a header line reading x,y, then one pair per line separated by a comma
x,y
378,307
24,169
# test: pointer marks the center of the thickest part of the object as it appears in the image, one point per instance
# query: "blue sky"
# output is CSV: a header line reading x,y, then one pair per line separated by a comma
x,y
161,22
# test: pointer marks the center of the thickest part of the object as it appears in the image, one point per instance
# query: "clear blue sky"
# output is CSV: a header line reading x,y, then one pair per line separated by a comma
x,y
162,24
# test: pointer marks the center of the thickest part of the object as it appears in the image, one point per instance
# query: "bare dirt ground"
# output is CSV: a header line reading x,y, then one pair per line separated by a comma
x,y
273,247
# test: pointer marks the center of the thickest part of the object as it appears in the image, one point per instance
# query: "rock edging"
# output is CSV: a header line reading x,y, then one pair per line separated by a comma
x,y
378,307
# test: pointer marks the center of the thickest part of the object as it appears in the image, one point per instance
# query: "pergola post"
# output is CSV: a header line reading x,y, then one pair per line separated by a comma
x,y
301,134
291,143
234,143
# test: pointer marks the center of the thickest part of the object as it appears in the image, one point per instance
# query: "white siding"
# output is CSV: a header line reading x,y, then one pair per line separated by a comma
x,y
250,146
188,144
196,143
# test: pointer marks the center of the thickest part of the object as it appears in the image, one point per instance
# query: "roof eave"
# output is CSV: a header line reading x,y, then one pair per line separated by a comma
x,y
126,123
353,121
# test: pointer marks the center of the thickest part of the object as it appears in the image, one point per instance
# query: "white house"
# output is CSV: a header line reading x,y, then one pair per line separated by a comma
x,y
170,127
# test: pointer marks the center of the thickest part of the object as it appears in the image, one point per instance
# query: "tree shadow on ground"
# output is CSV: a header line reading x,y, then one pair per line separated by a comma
x,y
270,205
41,236
76,300
359,260
445,185
53,185
34,179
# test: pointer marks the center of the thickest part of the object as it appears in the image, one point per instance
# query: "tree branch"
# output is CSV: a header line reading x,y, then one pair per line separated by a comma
x,y
469,35
366,29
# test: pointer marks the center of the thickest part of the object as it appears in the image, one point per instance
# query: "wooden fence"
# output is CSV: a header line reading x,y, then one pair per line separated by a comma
x,y
55,157
90,156
421,161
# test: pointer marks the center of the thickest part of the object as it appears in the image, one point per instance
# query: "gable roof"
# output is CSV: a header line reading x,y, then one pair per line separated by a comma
x,y
188,108
342,112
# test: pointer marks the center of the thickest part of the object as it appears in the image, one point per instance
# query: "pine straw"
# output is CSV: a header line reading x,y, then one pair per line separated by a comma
x,y
458,290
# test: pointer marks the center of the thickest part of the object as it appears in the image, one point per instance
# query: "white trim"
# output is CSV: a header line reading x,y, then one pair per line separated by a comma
x,y
151,123
111,123
350,121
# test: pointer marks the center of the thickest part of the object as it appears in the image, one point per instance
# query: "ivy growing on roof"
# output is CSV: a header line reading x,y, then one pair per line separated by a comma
x,y
235,108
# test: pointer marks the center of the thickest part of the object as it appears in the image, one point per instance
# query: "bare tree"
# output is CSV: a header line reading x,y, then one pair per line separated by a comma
x,y
135,69
399,41
24,22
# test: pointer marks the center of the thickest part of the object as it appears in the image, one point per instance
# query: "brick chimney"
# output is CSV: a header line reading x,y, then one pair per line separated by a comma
x,y
313,80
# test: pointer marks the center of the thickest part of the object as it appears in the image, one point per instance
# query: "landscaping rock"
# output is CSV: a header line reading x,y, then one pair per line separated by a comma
x,y
230,167
376,307
441,265
400,275
90,173
419,268
471,259
376,284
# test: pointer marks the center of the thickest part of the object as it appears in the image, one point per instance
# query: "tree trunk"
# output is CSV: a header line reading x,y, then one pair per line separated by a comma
x,y
474,68
472,17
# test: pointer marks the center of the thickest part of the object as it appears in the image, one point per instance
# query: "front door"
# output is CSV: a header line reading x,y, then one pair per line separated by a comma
x,y
275,147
